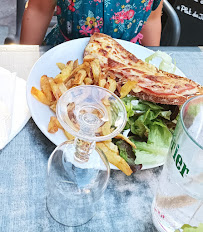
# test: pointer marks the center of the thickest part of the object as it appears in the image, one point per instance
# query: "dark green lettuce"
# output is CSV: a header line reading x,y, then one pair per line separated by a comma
x,y
127,153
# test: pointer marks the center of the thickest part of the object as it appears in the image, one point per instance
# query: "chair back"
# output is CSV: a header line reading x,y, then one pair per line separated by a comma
x,y
172,29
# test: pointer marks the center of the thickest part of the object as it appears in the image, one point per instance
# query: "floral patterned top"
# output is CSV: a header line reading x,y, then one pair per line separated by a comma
x,y
121,19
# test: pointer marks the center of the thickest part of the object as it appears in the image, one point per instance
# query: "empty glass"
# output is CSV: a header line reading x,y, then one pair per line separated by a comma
x,y
78,172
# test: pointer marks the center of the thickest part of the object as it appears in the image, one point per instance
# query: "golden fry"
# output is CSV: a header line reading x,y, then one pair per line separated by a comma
x,y
69,84
61,65
111,146
62,88
55,89
89,73
65,73
115,159
74,71
58,123
112,84
79,77
102,82
71,119
53,125
75,64
106,101
120,136
46,88
40,96
127,87
68,135
88,81
96,70
53,106
106,128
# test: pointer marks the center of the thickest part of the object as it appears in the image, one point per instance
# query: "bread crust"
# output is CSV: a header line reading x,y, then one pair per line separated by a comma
x,y
170,100
124,65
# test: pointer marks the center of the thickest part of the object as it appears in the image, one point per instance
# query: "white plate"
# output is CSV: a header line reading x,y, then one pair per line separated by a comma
x,y
46,65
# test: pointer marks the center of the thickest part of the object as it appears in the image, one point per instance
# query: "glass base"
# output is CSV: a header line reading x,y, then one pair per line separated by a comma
x,y
74,188
64,219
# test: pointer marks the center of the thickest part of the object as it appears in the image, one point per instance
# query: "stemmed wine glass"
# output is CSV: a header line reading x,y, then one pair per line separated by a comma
x,y
78,171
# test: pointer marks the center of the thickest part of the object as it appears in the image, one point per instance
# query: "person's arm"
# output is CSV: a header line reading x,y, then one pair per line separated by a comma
x,y
151,31
36,19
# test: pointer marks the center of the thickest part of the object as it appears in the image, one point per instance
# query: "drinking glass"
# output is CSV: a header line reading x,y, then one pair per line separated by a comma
x,y
179,197
78,171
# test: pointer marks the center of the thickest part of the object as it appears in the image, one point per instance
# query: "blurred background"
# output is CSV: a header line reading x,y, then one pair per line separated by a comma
x,y
7,18
190,14
182,22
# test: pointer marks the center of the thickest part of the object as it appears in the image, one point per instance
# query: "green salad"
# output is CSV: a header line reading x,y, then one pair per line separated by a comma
x,y
149,126
188,228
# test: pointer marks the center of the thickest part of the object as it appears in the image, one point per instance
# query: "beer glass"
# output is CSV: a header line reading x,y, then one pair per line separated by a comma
x,y
179,197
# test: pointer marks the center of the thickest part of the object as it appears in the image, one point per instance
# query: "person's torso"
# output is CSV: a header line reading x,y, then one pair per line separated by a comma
x,y
121,19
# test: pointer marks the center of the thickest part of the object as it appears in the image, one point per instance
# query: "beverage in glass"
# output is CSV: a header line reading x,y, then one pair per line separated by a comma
x,y
179,196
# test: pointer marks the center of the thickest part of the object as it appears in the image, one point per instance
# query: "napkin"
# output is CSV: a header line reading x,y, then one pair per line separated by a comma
x,y
14,112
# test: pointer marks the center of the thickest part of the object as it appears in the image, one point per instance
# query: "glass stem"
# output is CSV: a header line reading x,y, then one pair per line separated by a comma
x,y
83,149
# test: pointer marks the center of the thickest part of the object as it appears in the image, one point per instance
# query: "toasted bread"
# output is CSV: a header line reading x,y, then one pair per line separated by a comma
x,y
152,84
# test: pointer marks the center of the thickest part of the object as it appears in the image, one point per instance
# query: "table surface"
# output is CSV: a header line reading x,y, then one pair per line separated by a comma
x,y
126,203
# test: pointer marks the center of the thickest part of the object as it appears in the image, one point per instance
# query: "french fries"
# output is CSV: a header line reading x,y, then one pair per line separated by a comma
x,y
55,89
53,106
88,73
79,77
96,70
46,88
54,125
68,135
65,72
127,87
114,158
112,85
40,96
61,65
120,136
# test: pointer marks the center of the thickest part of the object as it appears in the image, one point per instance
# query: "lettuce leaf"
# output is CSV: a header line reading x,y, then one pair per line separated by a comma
x,y
156,148
127,153
188,228
166,63
145,158
148,122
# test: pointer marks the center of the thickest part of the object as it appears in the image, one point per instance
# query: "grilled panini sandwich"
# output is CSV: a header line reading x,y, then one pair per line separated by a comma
x,y
152,84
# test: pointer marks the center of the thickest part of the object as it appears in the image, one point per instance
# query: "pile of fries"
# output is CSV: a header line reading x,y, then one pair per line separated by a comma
x,y
88,73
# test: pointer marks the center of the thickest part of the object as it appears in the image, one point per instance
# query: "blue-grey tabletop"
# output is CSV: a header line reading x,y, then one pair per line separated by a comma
x,y
126,203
